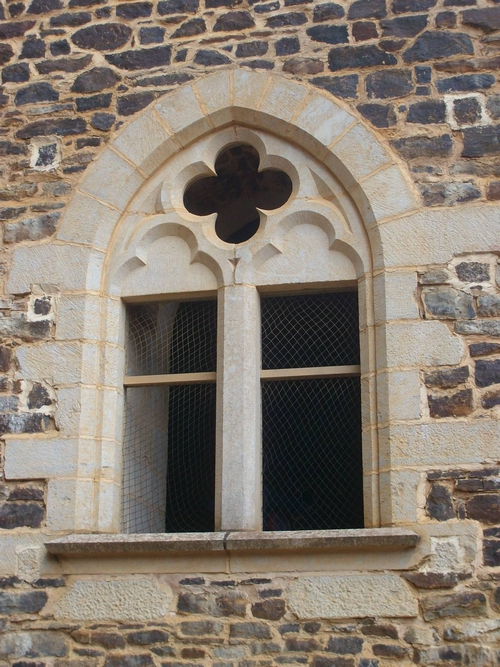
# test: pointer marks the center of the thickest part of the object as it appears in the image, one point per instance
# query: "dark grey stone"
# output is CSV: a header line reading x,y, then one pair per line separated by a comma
x,y
493,105
6,53
446,378
478,327
490,400
31,229
15,29
404,6
287,46
459,404
471,272
20,515
60,48
251,49
38,396
379,115
358,57
285,20
448,303
101,101
153,35
62,127
465,83
16,73
487,19
367,9
71,20
427,112
130,104
210,58
327,11
270,609
134,10
32,48
103,121
340,86
484,507
141,58
249,631
488,305
36,92
439,503
434,45
418,146
44,6
102,36
329,34
178,7
234,20
487,372
389,83
345,645
143,660
144,637
448,194
200,628
479,141
407,26
95,80
190,28
484,349
64,65
30,602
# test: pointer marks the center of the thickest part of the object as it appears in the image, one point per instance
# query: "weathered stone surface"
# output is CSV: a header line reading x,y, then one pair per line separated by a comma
x,y
141,58
62,127
484,349
166,7
429,111
484,507
110,640
414,147
447,303
234,20
488,305
63,65
103,121
140,660
389,83
469,272
287,46
345,645
232,604
327,11
134,10
433,45
439,503
351,596
6,53
102,36
32,48
380,115
249,630
467,111
296,645
102,101
17,73
151,35
447,378
95,80
33,644
26,603
407,26
367,9
432,580
284,20
358,57
271,610
130,104
196,628
448,194
43,6
71,20
487,372
125,599
25,422
18,191
60,48
459,404
403,6
478,327
31,229
465,83
18,515
251,49
458,604
145,637
480,141
490,400
380,630
190,28
208,58
13,29
340,86
364,30
487,19
303,66
329,34
491,553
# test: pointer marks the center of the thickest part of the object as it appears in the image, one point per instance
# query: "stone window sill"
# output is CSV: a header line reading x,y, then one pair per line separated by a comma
x,y
374,539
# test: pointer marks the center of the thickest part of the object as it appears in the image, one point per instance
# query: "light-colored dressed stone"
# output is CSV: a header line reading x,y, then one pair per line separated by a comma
x,y
323,119
12,543
28,562
443,443
395,296
38,457
282,98
399,496
88,221
154,146
61,362
61,504
399,395
112,180
64,266
428,343
78,317
215,93
183,114
359,154
388,194
351,596
125,599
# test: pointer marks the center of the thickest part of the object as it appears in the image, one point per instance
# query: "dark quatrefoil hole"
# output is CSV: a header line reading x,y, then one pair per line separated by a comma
x,y
236,192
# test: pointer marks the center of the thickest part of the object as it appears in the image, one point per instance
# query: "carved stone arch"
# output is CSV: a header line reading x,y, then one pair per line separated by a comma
x,y
120,211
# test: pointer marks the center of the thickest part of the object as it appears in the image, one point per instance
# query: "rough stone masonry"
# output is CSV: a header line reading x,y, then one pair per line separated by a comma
x,y
423,75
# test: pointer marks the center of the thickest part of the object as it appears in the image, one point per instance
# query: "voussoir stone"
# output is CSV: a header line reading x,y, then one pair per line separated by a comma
x,y
351,596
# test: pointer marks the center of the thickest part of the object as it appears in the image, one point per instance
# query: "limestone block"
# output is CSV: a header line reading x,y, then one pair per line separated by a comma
x,y
351,596
395,296
146,143
399,496
388,193
61,504
28,562
88,221
399,395
62,362
12,544
183,115
78,317
442,443
215,94
76,411
282,99
66,267
359,153
323,119
117,190
40,457
434,235
418,344
109,511
125,599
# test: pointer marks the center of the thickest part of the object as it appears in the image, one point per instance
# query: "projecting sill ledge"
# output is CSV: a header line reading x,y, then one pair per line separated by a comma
x,y
381,539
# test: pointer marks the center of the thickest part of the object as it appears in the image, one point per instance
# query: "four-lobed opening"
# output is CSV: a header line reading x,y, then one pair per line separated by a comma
x,y
235,194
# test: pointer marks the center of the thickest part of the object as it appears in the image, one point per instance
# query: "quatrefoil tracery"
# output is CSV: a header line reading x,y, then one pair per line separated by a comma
x,y
237,192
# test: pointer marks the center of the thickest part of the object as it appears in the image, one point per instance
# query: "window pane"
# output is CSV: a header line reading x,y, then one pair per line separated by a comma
x,y
191,459
169,459
312,469
310,330
172,337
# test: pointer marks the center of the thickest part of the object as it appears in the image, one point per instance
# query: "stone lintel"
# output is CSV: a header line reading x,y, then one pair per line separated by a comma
x,y
164,543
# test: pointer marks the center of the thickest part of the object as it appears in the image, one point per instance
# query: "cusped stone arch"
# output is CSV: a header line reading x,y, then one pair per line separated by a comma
x,y
112,233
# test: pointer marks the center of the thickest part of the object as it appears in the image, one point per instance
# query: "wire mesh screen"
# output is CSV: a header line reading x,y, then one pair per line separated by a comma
x,y
191,459
172,337
312,468
145,459
310,330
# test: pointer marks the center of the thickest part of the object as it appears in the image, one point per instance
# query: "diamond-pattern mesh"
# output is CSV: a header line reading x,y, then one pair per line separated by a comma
x,y
172,337
312,468
169,443
310,330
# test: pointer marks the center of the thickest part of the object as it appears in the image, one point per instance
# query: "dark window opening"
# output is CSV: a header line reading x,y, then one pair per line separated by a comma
x,y
236,192
311,428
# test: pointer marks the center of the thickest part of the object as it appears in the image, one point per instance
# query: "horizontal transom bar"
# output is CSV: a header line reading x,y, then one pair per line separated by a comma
x,y
169,378
309,373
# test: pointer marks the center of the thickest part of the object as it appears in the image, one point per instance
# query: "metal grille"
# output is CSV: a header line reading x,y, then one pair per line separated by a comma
x,y
145,459
310,331
172,337
191,459
312,468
